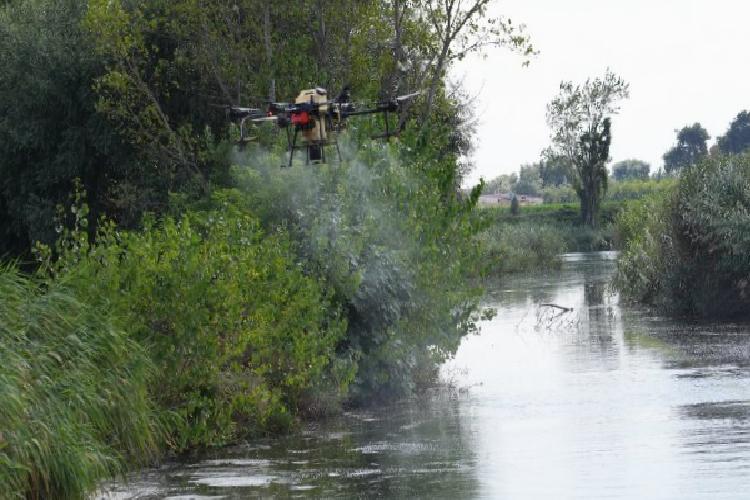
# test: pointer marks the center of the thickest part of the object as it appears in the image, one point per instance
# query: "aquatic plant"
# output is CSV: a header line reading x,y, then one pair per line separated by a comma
x,y
74,407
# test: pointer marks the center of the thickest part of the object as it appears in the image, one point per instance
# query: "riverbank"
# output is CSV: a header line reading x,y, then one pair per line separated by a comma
x,y
242,316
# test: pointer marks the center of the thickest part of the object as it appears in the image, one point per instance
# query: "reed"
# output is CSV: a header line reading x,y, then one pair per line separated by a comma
x,y
73,400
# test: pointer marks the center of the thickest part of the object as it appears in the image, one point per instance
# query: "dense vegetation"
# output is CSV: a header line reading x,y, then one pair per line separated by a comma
x,y
535,237
686,250
74,405
188,293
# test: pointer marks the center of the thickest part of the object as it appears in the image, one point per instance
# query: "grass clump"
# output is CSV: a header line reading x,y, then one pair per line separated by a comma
x,y
74,406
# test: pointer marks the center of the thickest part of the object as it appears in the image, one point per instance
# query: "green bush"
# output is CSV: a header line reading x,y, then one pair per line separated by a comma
x,y
386,233
642,229
239,335
581,238
564,221
638,188
74,407
511,248
689,253
560,194
514,205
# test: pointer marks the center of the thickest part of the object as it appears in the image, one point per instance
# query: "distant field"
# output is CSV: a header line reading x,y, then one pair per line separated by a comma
x,y
553,213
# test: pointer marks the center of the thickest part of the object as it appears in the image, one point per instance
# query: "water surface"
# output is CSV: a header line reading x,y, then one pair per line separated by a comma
x,y
601,401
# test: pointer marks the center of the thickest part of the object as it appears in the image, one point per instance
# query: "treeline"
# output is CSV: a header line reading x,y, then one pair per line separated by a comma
x,y
179,293
692,144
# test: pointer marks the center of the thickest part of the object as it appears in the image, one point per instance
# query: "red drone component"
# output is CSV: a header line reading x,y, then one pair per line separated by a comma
x,y
301,119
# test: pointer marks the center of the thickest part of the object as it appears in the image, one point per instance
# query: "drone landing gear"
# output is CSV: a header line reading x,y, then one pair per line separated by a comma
x,y
314,153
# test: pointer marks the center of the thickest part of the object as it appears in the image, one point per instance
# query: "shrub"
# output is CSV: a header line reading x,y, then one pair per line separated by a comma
x,y
560,194
521,247
690,252
386,233
514,205
73,393
638,188
236,330
642,230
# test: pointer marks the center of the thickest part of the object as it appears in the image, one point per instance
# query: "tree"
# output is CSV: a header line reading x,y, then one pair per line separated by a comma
x,y
737,138
529,181
50,132
459,29
630,169
501,184
691,147
514,205
579,118
554,171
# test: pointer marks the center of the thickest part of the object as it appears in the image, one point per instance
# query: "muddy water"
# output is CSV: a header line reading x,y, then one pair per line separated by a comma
x,y
600,401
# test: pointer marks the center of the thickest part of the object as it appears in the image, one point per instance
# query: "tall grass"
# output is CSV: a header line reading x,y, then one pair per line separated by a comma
x,y
688,251
73,401
509,248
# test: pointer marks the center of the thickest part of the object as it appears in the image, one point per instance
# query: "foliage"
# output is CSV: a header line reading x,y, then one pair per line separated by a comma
x,y
511,248
387,232
643,229
460,29
691,147
254,305
238,334
529,181
564,219
630,169
634,189
74,407
554,171
559,194
580,121
688,252
50,132
128,95
737,138
514,205
501,184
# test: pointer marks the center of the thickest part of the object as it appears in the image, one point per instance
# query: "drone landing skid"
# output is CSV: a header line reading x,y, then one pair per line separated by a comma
x,y
315,152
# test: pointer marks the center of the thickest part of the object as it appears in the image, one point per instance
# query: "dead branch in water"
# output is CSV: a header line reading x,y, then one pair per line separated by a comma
x,y
564,309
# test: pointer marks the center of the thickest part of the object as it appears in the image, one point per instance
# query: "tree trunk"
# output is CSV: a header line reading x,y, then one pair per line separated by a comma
x,y
589,203
433,85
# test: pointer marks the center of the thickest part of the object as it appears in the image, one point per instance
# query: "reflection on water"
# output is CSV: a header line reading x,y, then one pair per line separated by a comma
x,y
564,394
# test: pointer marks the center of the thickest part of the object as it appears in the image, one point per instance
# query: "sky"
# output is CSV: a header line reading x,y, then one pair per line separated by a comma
x,y
686,62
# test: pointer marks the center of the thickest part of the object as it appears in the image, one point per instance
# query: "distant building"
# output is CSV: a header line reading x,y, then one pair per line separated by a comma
x,y
503,199
488,200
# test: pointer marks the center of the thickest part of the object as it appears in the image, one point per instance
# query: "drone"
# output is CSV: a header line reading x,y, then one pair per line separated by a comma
x,y
313,122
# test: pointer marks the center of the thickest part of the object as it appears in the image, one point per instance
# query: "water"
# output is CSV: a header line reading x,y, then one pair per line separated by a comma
x,y
599,402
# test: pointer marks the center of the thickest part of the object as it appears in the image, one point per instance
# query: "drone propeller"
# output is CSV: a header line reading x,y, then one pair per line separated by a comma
x,y
264,119
407,97
244,113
